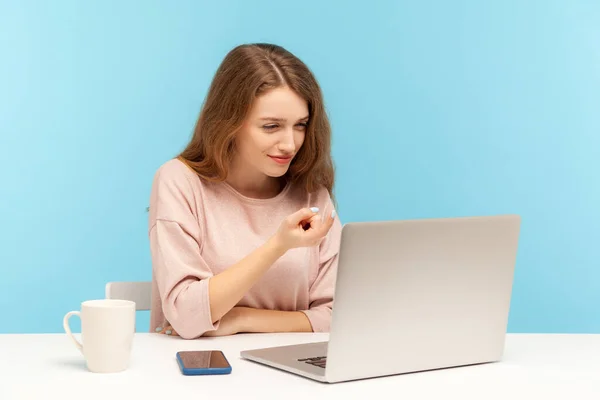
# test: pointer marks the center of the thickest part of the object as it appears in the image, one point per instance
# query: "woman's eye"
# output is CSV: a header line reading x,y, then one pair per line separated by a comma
x,y
272,127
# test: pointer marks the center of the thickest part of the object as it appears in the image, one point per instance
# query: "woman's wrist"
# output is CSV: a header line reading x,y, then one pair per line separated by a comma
x,y
277,246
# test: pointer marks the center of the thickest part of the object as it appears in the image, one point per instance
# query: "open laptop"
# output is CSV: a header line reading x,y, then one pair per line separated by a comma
x,y
412,296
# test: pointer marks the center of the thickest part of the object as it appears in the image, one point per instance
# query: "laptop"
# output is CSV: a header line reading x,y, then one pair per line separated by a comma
x,y
412,296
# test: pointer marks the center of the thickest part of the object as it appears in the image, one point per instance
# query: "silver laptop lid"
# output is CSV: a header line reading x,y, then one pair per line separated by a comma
x,y
421,294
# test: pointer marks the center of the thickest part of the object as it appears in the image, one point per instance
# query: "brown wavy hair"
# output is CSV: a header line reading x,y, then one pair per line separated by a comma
x,y
247,72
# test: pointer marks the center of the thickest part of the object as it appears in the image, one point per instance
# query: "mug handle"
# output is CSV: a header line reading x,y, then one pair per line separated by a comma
x,y
68,329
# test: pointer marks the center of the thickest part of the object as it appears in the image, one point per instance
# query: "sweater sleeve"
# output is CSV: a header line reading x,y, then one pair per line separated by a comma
x,y
322,289
180,272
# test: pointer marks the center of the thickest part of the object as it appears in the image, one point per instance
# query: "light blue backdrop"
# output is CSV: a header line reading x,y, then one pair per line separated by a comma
x,y
438,109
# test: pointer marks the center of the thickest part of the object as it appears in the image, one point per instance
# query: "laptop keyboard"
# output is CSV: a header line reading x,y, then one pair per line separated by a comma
x,y
316,361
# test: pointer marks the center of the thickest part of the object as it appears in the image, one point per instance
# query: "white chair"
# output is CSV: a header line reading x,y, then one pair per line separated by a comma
x,y
139,292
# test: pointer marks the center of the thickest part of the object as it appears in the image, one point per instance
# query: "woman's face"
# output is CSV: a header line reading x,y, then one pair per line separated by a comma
x,y
273,132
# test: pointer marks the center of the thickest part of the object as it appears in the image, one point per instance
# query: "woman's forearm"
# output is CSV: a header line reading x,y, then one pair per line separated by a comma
x,y
253,320
227,288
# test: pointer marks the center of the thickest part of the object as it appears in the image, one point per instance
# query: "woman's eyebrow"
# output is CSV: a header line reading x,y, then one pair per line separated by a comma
x,y
276,119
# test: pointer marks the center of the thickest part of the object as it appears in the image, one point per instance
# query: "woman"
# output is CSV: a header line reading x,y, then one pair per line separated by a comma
x,y
243,232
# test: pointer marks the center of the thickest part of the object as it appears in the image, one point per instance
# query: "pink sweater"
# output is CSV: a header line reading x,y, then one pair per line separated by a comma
x,y
198,228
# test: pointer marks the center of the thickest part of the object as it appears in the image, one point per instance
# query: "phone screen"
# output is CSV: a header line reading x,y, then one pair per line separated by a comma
x,y
201,359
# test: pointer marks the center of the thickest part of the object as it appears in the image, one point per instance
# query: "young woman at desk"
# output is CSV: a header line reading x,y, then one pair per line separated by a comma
x,y
243,232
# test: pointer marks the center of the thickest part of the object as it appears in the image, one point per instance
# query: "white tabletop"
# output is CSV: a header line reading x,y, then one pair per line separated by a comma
x,y
535,367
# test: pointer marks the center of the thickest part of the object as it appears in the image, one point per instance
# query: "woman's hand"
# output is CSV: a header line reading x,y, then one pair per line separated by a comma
x,y
304,228
167,330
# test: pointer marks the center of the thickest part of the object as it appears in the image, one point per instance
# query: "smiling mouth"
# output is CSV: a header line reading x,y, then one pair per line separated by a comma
x,y
281,160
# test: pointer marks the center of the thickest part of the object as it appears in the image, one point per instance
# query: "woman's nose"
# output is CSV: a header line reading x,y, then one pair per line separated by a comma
x,y
287,143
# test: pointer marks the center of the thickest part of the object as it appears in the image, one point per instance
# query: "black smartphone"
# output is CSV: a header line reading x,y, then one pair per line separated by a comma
x,y
203,362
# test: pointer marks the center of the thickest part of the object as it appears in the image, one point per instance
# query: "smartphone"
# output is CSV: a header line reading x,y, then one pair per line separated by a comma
x,y
203,362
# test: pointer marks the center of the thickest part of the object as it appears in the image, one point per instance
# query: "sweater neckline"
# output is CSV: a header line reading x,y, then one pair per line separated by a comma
x,y
255,200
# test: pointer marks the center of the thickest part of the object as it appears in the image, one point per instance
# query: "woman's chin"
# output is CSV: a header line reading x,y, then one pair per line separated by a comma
x,y
276,174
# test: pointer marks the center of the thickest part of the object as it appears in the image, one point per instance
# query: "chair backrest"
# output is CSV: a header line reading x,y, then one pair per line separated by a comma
x,y
139,292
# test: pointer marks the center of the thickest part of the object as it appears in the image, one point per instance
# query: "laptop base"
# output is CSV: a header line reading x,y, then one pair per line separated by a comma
x,y
308,359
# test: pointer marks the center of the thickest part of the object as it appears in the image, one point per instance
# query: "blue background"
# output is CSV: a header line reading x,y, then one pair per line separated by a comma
x,y
438,109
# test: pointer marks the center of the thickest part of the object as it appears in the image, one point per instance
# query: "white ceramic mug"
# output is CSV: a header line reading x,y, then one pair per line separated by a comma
x,y
107,329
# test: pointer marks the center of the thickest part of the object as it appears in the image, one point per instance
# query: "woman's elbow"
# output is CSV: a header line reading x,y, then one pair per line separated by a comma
x,y
185,328
188,324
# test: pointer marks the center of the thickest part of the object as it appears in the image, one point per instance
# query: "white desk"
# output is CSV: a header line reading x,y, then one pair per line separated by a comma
x,y
535,367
